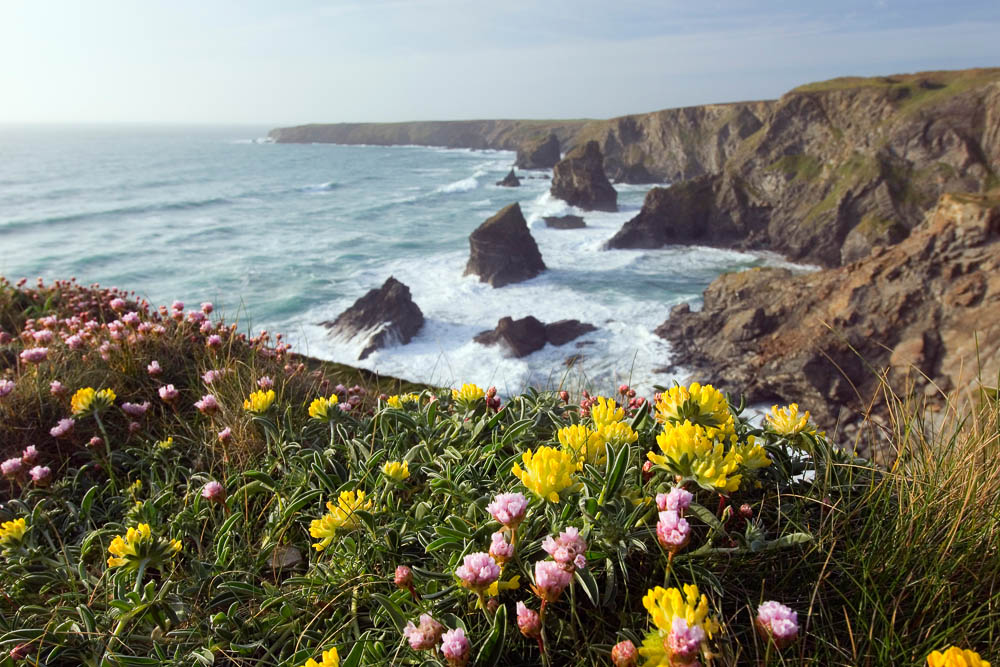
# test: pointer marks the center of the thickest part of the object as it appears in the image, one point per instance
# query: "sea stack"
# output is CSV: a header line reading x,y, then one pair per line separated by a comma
x,y
579,179
538,153
526,335
384,316
510,180
502,250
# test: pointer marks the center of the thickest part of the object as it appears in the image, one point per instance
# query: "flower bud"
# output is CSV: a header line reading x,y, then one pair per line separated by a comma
x,y
624,654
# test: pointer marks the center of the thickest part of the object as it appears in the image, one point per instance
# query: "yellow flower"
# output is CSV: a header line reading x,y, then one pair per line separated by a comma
x,y
955,657
398,400
704,406
330,659
12,532
546,472
605,411
512,584
259,401
138,546
690,452
397,470
166,444
88,400
320,408
469,393
341,516
582,443
664,605
752,455
135,487
787,421
617,434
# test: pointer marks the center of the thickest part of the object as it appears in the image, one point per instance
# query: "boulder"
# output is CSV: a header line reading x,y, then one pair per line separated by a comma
x,y
526,335
538,153
565,222
510,180
383,317
502,250
579,179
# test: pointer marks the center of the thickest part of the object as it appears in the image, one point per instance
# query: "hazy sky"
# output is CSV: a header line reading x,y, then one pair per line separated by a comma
x,y
281,62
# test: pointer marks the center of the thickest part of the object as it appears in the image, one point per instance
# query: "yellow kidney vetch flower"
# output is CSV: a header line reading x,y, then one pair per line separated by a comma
x,y
399,400
329,659
582,443
341,516
703,405
259,401
955,657
618,434
689,451
166,444
139,546
321,407
752,455
664,604
469,393
12,532
546,472
788,421
89,400
397,470
605,411
511,584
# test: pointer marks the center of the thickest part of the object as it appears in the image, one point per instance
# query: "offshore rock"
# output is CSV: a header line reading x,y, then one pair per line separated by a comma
x,y
502,250
579,179
538,153
384,317
564,222
526,335
510,180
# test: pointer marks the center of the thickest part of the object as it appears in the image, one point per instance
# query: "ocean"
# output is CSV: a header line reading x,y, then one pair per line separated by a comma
x,y
284,236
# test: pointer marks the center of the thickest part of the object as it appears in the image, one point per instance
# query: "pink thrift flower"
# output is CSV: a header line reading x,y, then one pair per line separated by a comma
x,y
528,621
117,304
40,475
205,327
56,388
500,549
214,491
35,355
778,622
403,577
154,368
177,305
95,442
624,654
29,455
11,467
44,336
74,342
568,549
196,316
6,386
265,383
134,427
509,509
677,500
131,319
168,393
135,409
672,531
207,405
425,636
62,428
478,571
214,341
685,641
550,580
455,647
211,376
206,307
225,435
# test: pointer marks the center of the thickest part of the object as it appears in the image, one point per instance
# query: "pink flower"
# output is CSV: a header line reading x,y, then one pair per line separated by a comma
x,y
6,386
40,475
425,636
214,491
177,305
225,435
117,304
206,307
214,341
455,647
95,442
4,337
56,388
478,571
624,654
778,622
74,342
550,580
29,455
135,409
528,621
134,427
403,577
500,549
677,500
685,641
168,393
672,531
11,467
509,509
207,405
62,428
211,376
35,355
44,336
154,368
568,549
265,383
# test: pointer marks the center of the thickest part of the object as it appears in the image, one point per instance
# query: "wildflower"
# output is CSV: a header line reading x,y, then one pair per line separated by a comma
x,y
12,532
329,659
455,647
500,550
214,342
154,368
40,475
700,405
583,443
508,509
546,472
35,355
207,405
568,549
955,657
44,336
528,622
225,435
21,651
550,580
95,442
169,393
403,577
399,400
29,455
341,516
56,388
259,401
685,642
139,547
665,604
677,500
468,394
478,571
74,342
752,455
211,376
214,492
788,422
690,452
265,383
425,636
11,467
320,408
624,654
604,411
396,470
511,584
672,532
117,304
177,305
89,401
6,386
62,428
616,434
165,445
777,622
135,409
207,307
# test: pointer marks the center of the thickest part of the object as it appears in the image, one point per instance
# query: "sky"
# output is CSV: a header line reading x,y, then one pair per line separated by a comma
x,y
287,62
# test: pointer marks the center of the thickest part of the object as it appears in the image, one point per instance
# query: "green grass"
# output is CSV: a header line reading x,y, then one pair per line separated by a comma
x,y
799,165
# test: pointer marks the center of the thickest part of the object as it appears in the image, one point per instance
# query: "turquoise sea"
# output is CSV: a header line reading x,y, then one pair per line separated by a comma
x,y
282,237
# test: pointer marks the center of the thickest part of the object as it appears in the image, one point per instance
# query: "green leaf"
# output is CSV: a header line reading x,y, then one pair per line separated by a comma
x,y
789,540
616,470
442,542
353,659
589,585
394,612
87,502
492,648
706,516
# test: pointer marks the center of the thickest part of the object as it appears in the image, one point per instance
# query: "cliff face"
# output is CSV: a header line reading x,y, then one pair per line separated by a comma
x,y
837,168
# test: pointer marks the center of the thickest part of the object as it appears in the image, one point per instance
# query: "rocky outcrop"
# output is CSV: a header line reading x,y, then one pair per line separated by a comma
x,y
538,153
510,180
564,222
926,312
383,317
837,168
579,179
526,335
502,250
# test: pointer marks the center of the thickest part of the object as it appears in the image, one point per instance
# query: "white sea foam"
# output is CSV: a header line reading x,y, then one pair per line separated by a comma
x,y
463,185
